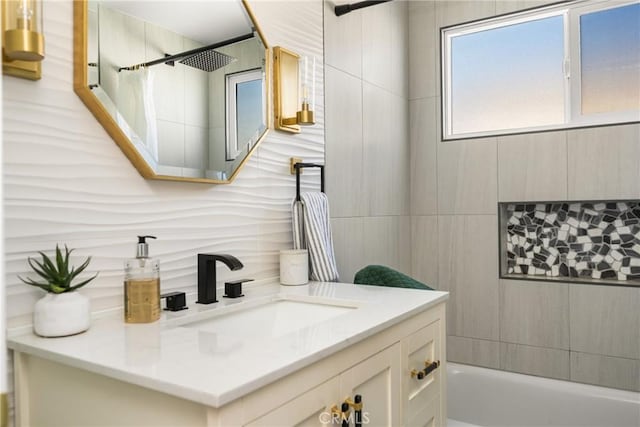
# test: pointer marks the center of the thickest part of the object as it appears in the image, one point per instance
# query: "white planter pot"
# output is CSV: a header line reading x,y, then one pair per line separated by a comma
x,y
59,315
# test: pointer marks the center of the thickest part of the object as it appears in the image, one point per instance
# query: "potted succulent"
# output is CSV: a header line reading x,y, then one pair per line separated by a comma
x,y
61,311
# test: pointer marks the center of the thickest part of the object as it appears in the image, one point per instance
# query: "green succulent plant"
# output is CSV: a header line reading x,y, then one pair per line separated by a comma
x,y
57,276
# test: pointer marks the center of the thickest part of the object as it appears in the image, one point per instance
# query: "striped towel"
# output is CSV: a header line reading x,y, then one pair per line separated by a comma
x,y
312,231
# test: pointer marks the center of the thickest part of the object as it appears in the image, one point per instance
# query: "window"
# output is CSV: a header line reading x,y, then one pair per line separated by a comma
x,y
246,115
569,65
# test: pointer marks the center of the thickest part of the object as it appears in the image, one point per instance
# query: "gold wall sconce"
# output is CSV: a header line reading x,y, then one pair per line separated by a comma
x,y
293,90
22,39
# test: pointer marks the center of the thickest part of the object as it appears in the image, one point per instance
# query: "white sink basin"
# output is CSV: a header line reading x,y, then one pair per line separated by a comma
x,y
272,318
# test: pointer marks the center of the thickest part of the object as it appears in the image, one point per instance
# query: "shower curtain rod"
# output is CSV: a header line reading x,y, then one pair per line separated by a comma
x,y
346,8
171,58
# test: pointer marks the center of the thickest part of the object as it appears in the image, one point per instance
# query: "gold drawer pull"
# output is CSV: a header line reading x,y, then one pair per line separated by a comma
x,y
417,374
429,368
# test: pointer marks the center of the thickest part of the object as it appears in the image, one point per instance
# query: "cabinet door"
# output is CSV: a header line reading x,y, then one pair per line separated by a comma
x,y
423,394
377,380
312,408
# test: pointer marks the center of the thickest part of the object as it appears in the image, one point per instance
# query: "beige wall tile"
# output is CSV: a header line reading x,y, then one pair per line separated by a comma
x,y
399,59
376,45
604,163
473,352
343,40
508,6
424,249
423,50
605,320
459,11
532,167
386,151
605,371
544,362
343,147
348,245
534,313
468,269
467,177
387,242
424,168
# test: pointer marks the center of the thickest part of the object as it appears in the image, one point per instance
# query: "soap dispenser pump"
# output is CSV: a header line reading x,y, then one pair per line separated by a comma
x,y
142,285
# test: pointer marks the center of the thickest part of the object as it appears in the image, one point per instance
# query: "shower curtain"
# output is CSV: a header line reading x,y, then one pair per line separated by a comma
x,y
136,108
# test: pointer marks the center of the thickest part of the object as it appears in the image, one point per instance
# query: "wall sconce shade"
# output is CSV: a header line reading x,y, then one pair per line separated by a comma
x,y
293,90
22,39
307,68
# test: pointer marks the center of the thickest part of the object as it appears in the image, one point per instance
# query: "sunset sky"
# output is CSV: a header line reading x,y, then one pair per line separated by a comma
x,y
512,77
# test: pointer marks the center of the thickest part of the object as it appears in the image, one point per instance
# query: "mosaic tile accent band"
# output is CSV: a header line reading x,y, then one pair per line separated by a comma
x,y
575,240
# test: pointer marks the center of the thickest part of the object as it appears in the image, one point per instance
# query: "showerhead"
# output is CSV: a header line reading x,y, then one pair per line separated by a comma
x,y
208,60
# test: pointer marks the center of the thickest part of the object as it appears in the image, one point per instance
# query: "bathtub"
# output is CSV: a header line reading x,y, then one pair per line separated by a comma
x,y
487,397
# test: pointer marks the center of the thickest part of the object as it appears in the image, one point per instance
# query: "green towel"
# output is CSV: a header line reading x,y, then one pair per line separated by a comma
x,y
379,275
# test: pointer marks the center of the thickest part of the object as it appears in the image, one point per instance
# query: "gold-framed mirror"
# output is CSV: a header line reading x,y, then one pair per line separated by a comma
x,y
180,86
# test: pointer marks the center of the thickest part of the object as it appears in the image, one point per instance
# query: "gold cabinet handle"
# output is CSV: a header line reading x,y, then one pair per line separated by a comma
x,y
429,368
417,374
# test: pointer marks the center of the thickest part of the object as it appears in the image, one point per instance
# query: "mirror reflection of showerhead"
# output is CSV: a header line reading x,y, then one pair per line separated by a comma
x,y
209,60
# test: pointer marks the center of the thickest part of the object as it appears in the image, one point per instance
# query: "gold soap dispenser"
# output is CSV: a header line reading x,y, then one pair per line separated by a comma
x,y
142,285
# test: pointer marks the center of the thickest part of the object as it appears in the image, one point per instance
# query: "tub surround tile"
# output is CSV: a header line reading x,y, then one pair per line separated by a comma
x,y
467,177
459,11
386,151
344,148
540,361
509,6
534,313
343,40
399,48
423,140
604,163
376,45
423,50
424,249
605,320
605,371
386,242
468,269
473,351
532,167
348,245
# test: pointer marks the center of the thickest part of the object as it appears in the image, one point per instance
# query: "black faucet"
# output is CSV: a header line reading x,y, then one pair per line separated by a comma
x,y
207,274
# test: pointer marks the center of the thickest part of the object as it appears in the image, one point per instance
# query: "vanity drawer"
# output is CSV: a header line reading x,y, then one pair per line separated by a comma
x,y
423,374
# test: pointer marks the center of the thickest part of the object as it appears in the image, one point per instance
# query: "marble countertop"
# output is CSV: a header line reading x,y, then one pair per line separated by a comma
x,y
215,362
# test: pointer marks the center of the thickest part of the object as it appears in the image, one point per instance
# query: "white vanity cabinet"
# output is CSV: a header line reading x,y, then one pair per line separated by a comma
x,y
391,396
376,380
378,367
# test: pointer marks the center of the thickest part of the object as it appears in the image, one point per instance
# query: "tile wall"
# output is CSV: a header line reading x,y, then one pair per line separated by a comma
x,y
584,333
367,140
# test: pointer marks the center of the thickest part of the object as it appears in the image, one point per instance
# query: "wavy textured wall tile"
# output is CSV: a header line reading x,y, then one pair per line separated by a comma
x,y
67,182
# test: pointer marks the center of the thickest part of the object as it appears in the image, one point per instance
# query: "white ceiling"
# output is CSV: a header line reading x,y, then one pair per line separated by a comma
x,y
204,21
